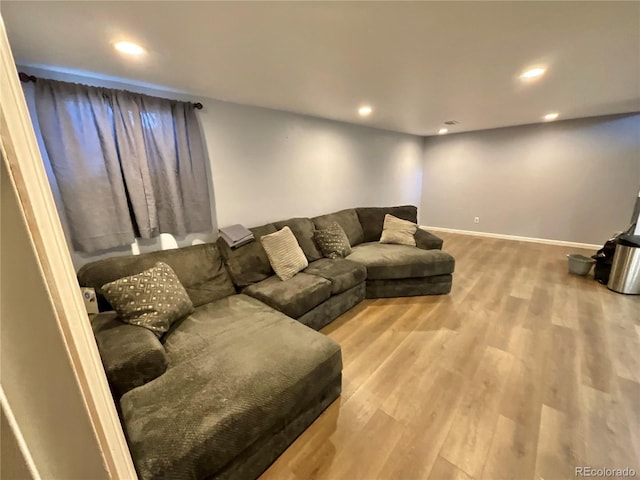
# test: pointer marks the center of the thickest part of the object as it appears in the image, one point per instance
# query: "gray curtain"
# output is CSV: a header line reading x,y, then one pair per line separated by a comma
x,y
126,165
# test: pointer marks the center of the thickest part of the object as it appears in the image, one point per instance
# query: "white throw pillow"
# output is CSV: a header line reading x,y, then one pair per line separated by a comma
x,y
396,230
285,255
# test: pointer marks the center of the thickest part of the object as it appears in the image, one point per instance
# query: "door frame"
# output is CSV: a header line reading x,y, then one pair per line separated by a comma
x,y
26,171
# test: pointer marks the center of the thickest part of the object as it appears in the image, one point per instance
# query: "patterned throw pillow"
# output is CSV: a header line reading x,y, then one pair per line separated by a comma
x,y
285,255
152,299
396,230
333,242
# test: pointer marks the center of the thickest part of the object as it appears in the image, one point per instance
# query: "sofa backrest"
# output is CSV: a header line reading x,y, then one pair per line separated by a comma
x,y
347,219
372,219
303,229
249,263
199,268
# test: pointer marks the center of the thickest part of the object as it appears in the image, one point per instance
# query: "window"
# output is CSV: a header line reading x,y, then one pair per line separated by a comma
x,y
124,165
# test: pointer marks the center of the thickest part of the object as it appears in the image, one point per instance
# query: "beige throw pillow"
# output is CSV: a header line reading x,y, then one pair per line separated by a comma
x,y
285,255
396,230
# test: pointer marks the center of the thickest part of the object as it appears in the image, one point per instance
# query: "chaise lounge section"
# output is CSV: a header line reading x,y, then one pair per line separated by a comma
x,y
227,389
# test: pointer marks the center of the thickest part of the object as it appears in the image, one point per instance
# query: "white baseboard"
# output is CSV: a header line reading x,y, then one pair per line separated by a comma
x,y
546,241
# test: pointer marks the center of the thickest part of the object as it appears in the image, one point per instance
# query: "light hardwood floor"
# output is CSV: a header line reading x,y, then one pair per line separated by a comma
x,y
523,372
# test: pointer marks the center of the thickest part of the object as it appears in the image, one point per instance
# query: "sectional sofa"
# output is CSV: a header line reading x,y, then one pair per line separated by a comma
x,y
328,288
230,386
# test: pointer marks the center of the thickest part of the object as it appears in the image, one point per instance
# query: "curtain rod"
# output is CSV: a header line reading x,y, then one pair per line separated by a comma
x,y
32,78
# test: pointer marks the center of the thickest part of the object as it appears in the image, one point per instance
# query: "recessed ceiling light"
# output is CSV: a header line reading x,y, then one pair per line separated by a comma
x,y
365,110
549,117
129,48
533,73
442,131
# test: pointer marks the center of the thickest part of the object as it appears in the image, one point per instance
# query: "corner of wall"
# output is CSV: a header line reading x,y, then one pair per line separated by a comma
x,y
423,152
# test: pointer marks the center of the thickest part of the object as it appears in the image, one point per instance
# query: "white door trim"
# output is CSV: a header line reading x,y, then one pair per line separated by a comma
x,y
26,170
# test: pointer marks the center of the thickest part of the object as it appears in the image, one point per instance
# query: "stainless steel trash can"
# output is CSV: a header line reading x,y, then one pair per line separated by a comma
x,y
625,270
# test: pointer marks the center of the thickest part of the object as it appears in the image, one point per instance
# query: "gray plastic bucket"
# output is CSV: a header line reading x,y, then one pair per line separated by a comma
x,y
579,264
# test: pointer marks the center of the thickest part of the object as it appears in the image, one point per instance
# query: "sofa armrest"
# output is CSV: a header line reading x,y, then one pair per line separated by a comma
x,y
427,240
131,355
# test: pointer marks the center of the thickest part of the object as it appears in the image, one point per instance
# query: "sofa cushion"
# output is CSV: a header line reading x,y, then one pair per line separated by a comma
x,y
199,268
294,297
347,219
249,263
398,231
372,219
427,240
333,242
153,298
303,229
386,261
131,355
206,411
342,273
285,255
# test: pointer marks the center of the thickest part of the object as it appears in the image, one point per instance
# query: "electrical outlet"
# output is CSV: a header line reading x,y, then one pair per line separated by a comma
x,y
476,219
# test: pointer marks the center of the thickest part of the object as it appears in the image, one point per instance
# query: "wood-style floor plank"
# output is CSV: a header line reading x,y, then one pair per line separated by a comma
x,y
606,430
523,372
560,449
472,430
443,470
513,449
427,424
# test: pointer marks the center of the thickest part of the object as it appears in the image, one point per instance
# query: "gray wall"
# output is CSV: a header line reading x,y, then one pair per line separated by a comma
x,y
38,378
574,180
268,165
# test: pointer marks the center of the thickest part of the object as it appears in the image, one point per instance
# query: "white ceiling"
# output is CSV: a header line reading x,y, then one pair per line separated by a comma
x,y
417,64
